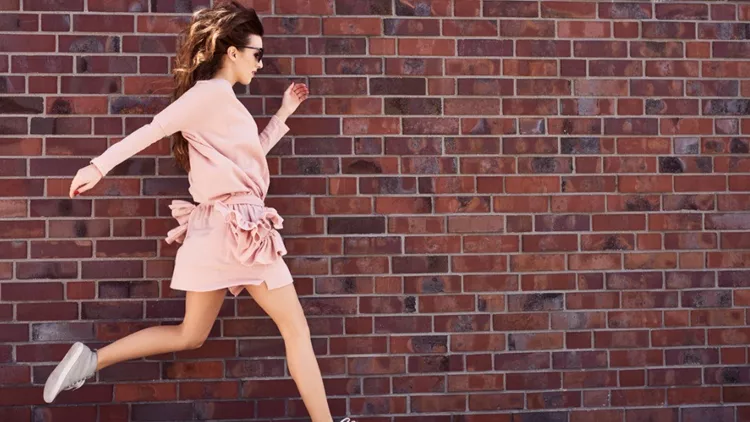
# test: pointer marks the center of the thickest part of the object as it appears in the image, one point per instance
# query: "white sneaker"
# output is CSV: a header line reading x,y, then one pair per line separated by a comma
x,y
78,365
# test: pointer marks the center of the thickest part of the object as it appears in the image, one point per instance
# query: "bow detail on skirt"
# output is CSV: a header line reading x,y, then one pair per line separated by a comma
x,y
252,229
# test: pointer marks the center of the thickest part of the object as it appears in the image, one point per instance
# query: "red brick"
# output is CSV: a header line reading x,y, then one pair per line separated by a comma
x,y
342,86
371,126
462,204
527,28
671,30
444,403
548,400
533,184
625,10
308,66
573,68
632,378
359,265
600,49
435,304
352,26
465,66
583,29
529,107
146,392
58,311
425,8
486,263
415,66
577,203
658,88
382,46
542,48
663,260
645,183
645,397
648,49
596,415
476,382
480,86
62,5
595,262
533,381
426,47
510,9
468,8
469,106
700,183
681,11
614,68
626,29
559,9
539,68
470,28
316,7
103,23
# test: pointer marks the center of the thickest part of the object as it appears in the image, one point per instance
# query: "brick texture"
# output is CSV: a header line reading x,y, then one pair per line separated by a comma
x,y
505,211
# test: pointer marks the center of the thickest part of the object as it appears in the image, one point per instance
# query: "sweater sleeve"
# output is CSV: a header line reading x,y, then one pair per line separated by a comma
x,y
177,116
272,134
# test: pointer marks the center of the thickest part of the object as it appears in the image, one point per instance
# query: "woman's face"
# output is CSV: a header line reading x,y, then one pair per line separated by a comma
x,y
249,59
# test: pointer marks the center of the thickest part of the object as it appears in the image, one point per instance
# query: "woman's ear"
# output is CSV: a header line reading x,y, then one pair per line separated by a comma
x,y
232,52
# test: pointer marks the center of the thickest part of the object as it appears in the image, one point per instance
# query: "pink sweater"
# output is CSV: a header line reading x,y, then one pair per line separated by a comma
x,y
227,154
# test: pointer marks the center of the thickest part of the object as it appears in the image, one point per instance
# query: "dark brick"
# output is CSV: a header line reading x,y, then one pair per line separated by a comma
x,y
726,107
365,7
356,225
422,106
397,86
337,46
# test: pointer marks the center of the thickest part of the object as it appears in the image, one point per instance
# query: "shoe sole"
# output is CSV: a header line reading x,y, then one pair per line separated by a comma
x,y
54,382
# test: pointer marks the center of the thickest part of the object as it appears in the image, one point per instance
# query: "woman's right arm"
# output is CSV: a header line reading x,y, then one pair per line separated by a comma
x,y
127,147
177,116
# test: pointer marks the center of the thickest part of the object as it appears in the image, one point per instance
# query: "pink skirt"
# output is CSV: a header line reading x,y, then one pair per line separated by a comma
x,y
228,244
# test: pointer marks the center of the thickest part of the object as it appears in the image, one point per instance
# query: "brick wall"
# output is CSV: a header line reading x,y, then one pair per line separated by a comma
x,y
497,211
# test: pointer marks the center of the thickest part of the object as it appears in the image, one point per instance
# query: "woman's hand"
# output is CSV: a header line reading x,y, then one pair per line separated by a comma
x,y
293,97
85,179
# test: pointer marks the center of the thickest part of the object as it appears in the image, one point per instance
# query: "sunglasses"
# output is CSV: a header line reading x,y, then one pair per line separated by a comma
x,y
259,54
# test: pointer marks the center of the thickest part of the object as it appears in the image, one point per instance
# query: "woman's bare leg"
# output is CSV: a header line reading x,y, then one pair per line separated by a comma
x,y
201,309
283,306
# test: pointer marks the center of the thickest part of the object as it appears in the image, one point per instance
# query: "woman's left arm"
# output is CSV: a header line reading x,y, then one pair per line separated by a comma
x,y
294,95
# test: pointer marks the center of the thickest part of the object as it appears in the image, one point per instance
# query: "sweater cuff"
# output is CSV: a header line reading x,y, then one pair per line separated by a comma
x,y
281,127
99,163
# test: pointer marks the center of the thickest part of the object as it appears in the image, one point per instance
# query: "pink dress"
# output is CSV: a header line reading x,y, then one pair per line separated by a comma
x,y
230,238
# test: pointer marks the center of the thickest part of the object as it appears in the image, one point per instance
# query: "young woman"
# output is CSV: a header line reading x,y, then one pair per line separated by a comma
x,y
230,239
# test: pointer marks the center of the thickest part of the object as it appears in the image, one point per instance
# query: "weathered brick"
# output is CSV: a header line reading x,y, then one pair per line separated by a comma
x,y
492,8
682,11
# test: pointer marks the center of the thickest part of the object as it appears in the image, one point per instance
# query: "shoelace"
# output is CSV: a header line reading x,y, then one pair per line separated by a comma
x,y
76,385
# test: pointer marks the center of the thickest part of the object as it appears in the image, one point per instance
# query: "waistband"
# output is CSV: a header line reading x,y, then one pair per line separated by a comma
x,y
241,198
269,218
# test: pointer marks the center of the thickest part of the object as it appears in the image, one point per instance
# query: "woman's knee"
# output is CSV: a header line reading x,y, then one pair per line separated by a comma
x,y
293,328
191,339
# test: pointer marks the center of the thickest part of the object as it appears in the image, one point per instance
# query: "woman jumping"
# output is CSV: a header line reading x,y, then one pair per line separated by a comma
x,y
230,239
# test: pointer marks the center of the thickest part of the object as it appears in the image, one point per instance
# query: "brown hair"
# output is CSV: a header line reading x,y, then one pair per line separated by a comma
x,y
202,45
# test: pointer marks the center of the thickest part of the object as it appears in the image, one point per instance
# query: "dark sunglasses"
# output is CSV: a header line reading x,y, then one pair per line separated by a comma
x,y
259,54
